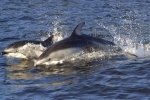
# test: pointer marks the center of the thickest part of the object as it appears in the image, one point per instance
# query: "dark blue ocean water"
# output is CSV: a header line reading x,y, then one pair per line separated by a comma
x,y
128,21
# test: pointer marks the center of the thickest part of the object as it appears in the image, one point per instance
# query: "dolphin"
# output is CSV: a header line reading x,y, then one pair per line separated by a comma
x,y
76,43
27,49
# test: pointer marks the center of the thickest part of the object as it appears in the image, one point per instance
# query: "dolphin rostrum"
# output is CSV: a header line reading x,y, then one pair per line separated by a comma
x,y
76,43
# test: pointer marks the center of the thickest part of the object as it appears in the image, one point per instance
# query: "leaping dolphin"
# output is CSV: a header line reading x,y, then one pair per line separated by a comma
x,y
27,49
76,43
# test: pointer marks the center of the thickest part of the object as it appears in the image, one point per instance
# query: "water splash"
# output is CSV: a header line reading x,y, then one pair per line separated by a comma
x,y
55,30
58,35
130,38
87,57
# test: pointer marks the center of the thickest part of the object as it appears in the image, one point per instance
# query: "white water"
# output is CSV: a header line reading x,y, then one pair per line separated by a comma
x,y
129,39
58,35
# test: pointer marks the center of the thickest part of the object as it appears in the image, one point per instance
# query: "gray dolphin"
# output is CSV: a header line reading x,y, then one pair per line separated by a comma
x,y
27,48
76,43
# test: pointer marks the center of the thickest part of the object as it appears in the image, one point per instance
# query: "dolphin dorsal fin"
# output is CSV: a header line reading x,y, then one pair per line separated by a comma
x,y
48,41
77,30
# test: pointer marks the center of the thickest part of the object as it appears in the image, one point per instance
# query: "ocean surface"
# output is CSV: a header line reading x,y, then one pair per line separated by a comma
x,y
117,77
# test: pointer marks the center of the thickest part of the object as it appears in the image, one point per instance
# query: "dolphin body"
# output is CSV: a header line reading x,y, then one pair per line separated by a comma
x,y
74,44
27,49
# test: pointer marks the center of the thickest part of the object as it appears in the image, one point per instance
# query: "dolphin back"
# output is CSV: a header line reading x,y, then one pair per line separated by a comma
x,y
22,43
